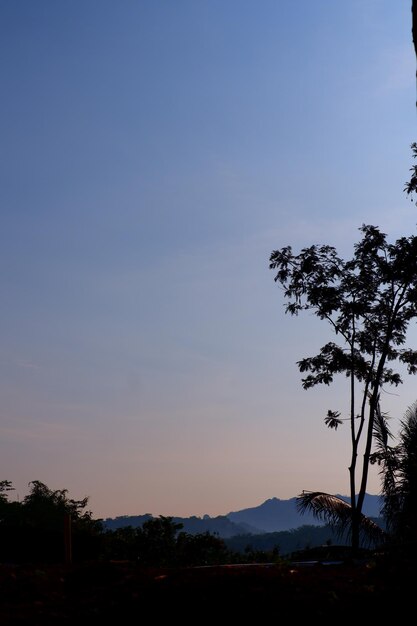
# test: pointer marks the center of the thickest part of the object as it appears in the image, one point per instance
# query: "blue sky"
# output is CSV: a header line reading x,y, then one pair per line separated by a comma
x,y
153,154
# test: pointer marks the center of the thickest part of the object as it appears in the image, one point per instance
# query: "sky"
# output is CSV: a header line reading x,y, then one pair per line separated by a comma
x,y
153,154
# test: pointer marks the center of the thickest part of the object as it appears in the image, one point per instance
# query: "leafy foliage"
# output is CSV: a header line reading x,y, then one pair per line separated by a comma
x,y
411,185
161,542
33,530
47,508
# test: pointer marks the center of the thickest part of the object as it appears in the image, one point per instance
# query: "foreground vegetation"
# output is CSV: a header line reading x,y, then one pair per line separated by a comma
x,y
95,591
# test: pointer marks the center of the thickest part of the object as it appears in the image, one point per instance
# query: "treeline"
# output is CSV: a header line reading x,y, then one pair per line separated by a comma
x,y
286,542
48,526
35,530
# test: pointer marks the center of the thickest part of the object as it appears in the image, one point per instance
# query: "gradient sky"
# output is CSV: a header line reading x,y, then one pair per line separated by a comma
x,y
153,154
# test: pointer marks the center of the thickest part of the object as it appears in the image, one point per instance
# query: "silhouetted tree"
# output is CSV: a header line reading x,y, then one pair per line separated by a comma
x,y
406,522
411,185
414,24
399,479
46,507
201,549
10,512
33,530
157,541
5,487
161,542
369,302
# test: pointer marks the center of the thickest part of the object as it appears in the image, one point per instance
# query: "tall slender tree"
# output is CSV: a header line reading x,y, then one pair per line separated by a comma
x,y
414,23
369,302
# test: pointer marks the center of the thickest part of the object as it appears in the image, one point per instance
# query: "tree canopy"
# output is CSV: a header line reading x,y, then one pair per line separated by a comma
x,y
369,302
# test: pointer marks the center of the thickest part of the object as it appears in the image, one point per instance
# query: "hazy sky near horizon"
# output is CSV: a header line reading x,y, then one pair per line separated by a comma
x,y
153,154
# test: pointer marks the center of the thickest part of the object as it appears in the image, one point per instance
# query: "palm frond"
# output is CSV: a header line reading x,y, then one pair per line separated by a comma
x,y
387,458
336,512
408,433
405,517
399,475
381,432
332,419
324,506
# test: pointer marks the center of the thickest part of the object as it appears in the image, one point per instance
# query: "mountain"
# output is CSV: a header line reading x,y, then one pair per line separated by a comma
x,y
111,523
273,515
221,525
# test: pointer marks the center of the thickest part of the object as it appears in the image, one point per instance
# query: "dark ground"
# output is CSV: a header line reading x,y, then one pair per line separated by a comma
x,y
117,592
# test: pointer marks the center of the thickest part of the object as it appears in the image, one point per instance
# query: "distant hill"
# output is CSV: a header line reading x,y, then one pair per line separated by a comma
x,y
221,525
111,523
273,515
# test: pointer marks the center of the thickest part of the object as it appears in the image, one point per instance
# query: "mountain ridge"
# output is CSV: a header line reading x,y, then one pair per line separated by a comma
x,y
272,515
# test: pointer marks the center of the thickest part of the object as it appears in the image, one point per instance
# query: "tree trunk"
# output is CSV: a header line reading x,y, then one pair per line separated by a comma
x,y
355,532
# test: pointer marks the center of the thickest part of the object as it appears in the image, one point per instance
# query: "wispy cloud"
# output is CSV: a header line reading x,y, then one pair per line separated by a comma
x,y
27,364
